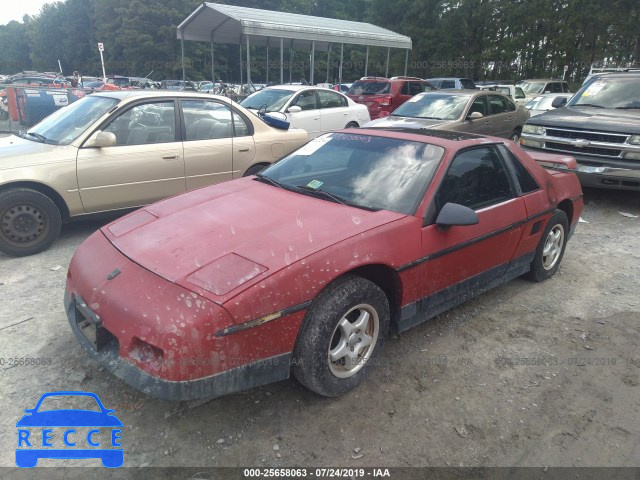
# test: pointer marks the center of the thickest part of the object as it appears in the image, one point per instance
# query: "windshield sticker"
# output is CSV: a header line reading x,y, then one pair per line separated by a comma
x,y
593,89
315,184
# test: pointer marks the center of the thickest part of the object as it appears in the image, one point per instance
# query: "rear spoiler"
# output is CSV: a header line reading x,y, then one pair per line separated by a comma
x,y
553,161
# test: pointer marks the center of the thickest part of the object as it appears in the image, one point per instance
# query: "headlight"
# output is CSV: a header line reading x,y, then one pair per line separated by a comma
x,y
533,129
632,155
634,139
530,143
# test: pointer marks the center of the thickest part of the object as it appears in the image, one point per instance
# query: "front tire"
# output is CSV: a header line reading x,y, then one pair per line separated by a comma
x,y
352,125
341,336
550,249
515,136
29,222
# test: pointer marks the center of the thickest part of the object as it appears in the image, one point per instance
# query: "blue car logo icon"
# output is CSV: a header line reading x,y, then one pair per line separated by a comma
x,y
68,433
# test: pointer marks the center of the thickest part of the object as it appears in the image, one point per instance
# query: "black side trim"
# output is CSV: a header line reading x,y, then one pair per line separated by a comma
x,y
473,241
262,320
439,302
262,372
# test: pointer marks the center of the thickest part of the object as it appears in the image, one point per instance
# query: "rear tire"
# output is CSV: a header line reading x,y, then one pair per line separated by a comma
x,y
341,336
550,249
352,125
515,136
29,222
253,169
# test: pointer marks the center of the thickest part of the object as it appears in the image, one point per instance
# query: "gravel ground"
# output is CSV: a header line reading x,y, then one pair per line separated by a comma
x,y
528,374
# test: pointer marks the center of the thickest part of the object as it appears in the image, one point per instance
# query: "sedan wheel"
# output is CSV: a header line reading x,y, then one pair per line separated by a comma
x,y
553,247
341,336
29,222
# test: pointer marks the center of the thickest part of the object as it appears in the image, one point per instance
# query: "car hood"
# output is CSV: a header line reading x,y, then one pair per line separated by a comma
x,y
19,152
406,122
221,239
590,118
69,418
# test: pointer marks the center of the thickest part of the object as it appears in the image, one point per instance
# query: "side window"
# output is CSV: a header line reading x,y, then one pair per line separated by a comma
x,y
565,88
306,100
145,124
519,93
405,89
329,99
479,105
206,120
448,84
525,180
416,88
476,178
511,107
240,125
498,104
554,87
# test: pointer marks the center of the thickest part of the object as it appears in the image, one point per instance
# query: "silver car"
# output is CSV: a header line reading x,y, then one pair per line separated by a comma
x,y
472,111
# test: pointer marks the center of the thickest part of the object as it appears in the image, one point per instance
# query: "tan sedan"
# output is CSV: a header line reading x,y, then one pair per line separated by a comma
x,y
118,150
471,111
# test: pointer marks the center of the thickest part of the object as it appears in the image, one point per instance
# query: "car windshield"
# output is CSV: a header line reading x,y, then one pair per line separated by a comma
x,y
369,88
439,106
65,125
606,92
532,87
272,99
365,171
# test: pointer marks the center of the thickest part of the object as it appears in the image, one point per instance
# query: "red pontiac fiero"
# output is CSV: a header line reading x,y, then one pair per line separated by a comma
x,y
305,267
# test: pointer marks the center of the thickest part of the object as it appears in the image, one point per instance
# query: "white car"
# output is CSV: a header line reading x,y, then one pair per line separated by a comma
x,y
543,103
316,110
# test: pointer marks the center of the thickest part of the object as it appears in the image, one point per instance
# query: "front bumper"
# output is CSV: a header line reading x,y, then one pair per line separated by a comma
x,y
601,172
159,337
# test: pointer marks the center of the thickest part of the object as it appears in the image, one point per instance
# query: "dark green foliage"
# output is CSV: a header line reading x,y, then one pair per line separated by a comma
x,y
482,39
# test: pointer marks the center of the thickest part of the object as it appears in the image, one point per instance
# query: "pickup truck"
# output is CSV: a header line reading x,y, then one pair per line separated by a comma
x,y
599,126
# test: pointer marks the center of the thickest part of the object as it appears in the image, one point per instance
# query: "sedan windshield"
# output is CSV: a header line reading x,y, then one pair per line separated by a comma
x,y
271,99
621,93
65,125
439,106
532,87
365,171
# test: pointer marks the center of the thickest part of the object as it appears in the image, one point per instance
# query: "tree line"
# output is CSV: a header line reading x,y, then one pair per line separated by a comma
x,y
479,39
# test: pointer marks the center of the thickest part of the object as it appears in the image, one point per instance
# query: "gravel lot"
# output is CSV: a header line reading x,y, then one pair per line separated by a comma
x,y
526,375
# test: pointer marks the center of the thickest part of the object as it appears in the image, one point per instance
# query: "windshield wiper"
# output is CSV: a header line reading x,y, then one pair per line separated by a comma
x,y
323,193
270,180
588,105
42,138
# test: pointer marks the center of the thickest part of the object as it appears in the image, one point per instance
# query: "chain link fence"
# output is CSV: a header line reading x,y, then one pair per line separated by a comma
x,y
21,107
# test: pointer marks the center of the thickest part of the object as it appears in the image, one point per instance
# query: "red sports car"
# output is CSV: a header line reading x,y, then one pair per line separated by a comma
x,y
305,267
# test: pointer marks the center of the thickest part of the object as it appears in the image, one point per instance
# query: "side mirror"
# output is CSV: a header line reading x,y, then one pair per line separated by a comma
x,y
101,139
294,109
559,102
474,115
453,214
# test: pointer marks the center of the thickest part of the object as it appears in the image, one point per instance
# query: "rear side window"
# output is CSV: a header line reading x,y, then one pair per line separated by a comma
x,y
477,178
468,84
526,181
330,99
448,84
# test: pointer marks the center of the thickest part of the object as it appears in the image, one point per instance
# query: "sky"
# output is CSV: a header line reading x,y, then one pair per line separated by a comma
x,y
16,9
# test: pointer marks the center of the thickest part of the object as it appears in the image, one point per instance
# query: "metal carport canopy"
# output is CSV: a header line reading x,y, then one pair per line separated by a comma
x,y
219,23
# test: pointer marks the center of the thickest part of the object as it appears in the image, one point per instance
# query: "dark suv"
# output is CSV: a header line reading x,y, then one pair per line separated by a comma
x,y
383,95
600,126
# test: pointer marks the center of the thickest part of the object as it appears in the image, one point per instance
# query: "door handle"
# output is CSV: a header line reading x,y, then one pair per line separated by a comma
x,y
317,118
170,156
244,150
